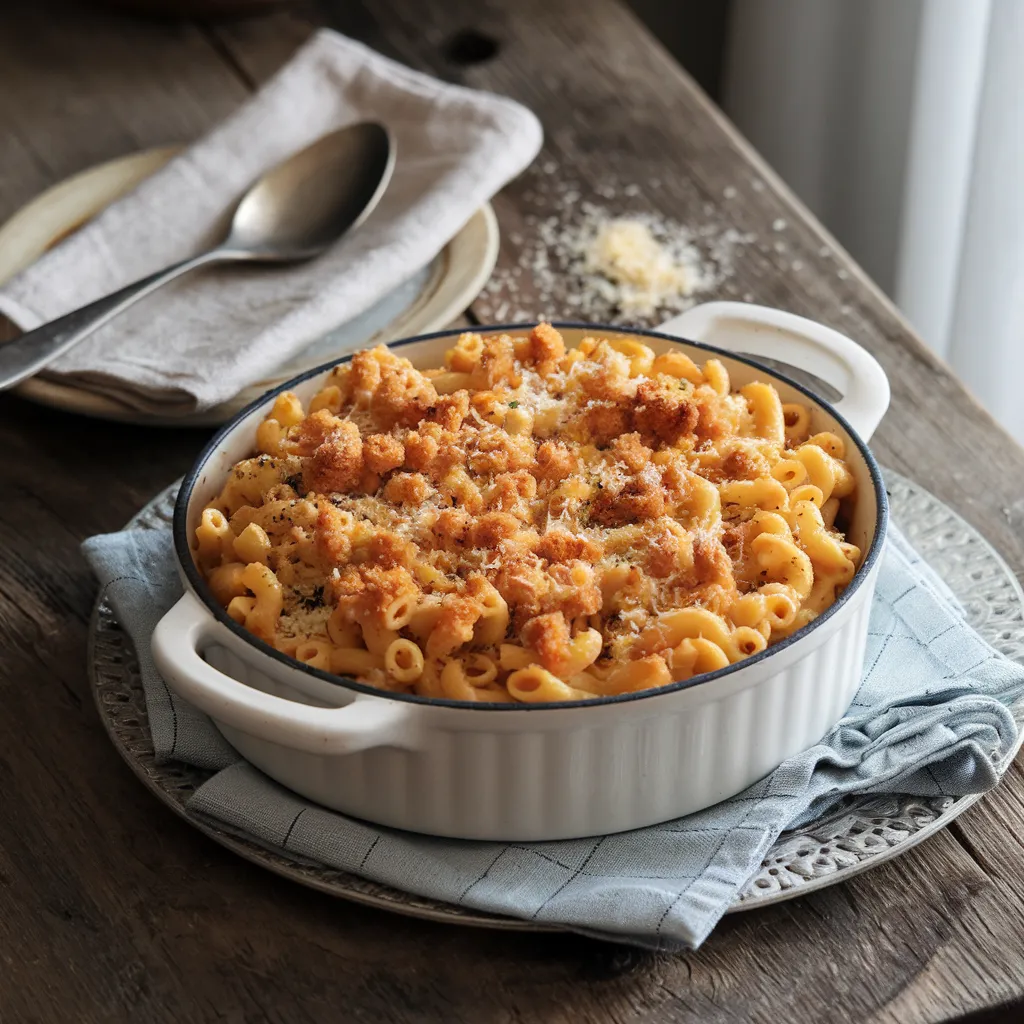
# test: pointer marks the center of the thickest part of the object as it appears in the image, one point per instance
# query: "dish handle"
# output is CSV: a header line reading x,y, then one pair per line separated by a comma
x,y
747,329
365,722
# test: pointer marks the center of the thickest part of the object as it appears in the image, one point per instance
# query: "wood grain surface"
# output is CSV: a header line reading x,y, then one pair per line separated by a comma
x,y
113,909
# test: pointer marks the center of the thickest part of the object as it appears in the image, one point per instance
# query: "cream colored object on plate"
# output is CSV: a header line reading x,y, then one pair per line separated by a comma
x,y
433,299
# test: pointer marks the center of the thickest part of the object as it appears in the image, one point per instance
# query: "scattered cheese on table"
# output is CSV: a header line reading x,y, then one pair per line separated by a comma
x,y
583,260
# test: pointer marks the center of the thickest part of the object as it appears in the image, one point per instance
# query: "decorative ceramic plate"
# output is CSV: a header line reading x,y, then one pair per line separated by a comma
x,y
862,832
429,300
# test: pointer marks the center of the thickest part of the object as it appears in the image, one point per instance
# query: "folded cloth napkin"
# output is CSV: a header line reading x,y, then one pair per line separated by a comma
x,y
931,718
202,339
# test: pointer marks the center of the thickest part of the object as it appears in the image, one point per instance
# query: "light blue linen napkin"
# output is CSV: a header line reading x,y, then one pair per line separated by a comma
x,y
931,718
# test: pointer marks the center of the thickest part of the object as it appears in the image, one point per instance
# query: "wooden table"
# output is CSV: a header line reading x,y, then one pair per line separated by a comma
x,y
113,908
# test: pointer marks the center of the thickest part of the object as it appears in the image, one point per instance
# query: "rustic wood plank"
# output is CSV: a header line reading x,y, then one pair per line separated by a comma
x,y
259,46
110,907
82,85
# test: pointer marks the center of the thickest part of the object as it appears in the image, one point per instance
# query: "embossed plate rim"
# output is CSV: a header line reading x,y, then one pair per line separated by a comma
x,y
158,778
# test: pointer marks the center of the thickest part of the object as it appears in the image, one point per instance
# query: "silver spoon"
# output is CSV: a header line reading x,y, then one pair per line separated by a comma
x,y
294,212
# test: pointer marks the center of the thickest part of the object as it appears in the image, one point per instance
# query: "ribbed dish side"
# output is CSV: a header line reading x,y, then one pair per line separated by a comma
x,y
640,768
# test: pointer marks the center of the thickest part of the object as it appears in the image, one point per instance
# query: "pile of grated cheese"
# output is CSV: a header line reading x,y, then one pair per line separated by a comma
x,y
646,275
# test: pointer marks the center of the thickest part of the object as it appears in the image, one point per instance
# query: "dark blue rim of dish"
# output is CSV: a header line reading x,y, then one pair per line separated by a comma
x,y
201,588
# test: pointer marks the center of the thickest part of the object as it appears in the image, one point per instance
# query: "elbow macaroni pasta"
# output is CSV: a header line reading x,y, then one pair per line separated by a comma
x,y
528,524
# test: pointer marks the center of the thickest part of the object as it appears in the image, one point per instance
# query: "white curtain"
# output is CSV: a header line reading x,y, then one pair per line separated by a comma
x,y
901,124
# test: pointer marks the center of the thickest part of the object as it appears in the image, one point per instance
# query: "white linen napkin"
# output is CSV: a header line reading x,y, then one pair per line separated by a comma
x,y
202,339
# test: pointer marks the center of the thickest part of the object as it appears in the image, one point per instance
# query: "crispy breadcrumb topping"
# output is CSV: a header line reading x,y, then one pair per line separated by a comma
x,y
586,491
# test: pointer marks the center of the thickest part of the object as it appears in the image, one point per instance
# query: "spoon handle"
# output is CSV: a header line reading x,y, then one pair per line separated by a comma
x,y
29,353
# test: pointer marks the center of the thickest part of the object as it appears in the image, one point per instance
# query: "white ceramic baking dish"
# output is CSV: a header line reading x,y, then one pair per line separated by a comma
x,y
542,772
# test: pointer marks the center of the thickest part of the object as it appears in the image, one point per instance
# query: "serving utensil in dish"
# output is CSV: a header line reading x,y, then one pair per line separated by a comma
x,y
517,773
294,212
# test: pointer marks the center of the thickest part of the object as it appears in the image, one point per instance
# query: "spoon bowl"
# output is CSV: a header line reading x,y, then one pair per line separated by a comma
x,y
293,212
299,208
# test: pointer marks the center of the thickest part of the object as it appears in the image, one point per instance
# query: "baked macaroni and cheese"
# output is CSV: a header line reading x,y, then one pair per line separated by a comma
x,y
530,522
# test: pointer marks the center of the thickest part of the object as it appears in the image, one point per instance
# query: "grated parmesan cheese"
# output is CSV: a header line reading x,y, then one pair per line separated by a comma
x,y
533,394
648,275
300,620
